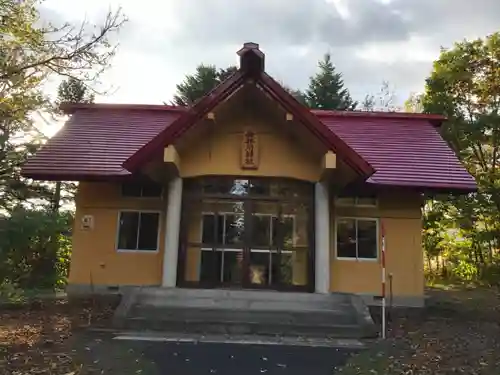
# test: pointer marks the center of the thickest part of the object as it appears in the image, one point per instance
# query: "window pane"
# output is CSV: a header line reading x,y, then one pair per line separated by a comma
x,y
367,239
127,232
261,230
259,267
260,187
152,190
131,190
233,266
235,229
239,187
226,186
208,225
282,268
288,232
208,229
346,238
217,185
292,189
295,224
346,201
210,267
148,231
367,200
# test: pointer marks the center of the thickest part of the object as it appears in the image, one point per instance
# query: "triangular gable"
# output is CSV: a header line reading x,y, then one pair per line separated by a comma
x,y
251,70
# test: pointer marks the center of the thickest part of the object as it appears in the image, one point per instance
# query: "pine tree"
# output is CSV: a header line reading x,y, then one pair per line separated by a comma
x,y
195,86
71,90
326,89
74,91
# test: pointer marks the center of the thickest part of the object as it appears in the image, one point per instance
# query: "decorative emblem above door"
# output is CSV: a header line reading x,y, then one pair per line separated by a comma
x,y
250,150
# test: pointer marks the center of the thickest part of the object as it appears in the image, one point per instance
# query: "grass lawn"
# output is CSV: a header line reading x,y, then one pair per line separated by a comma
x,y
458,333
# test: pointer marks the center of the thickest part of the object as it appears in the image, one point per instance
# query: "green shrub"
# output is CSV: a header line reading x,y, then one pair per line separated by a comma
x,y
11,293
35,248
464,271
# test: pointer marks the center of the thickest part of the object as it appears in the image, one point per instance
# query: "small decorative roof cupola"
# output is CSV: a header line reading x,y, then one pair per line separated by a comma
x,y
251,59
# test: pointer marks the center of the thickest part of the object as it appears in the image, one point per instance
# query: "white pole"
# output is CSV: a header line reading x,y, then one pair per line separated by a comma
x,y
173,220
383,284
322,239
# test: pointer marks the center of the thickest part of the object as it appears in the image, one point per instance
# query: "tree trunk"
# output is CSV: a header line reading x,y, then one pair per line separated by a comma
x,y
444,272
56,199
481,255
429,264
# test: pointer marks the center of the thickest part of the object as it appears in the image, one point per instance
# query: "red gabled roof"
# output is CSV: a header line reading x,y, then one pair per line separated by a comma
x,y
171,133
404,149
106,141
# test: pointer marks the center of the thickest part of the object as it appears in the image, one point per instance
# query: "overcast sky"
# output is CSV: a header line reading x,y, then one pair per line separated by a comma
x,y
370,40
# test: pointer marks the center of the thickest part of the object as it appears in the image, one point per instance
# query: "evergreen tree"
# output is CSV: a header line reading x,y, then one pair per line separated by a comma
x,y
368,104
71,90
74,90
326,89
195,86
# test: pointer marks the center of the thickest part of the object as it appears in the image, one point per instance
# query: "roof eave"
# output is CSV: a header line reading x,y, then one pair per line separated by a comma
x,y
435,119
54,176
430,188
185,121
307,117
70,108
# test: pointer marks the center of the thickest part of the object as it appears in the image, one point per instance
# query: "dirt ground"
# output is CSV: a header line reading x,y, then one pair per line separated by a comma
x,y
458,333
41,337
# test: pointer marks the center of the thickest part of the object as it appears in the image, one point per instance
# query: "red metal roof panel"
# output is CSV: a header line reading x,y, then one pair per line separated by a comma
x,y
98,139
404,152
95,142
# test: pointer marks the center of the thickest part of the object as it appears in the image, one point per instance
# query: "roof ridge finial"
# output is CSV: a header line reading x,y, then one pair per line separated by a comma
x,y
251,58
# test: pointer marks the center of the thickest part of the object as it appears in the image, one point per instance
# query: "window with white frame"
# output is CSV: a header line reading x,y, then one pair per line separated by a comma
x,y
357,238
142,190
364,200
138,231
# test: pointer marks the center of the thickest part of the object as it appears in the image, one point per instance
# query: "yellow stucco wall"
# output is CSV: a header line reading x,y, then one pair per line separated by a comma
x,y
401,216
94,258
219,152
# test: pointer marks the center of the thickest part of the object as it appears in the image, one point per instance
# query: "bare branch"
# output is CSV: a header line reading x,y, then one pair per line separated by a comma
x,y
74,51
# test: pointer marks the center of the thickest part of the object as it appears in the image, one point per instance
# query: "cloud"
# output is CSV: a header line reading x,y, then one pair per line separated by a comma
x,y
369,40
285,22
450,20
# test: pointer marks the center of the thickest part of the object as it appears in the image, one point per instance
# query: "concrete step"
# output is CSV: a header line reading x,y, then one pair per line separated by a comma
x,y
347,316
245,312
254,300
243,304
251,328
239,293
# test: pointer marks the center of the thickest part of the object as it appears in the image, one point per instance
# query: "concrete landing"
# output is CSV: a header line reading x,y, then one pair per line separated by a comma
x,y
244,312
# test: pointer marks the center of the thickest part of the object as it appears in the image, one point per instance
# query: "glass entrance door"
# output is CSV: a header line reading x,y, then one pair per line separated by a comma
x,y
246,233
279,246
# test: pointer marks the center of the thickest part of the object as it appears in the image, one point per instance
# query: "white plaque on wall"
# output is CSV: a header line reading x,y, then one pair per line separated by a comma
x,y
87,222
